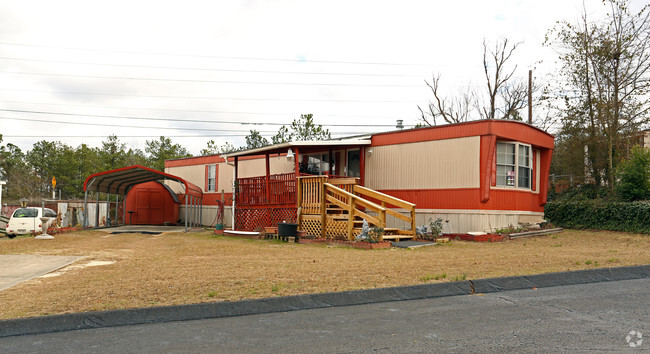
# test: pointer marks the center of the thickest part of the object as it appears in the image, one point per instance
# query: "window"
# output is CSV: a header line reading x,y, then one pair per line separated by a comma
x,y
514,163
26,213
212,178
317,164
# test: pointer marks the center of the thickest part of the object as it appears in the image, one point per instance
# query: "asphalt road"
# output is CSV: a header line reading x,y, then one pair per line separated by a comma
x,y
588,317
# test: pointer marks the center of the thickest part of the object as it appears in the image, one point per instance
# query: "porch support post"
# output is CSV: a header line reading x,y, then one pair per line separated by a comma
x,y
331,161
234,192
296,160
236,167
268,179
323,206
362,165
201,211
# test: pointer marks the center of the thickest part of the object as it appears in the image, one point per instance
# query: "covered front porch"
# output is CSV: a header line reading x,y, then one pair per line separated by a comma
x,y
320,188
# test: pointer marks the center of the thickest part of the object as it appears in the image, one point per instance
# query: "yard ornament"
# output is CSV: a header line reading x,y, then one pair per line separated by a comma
x,y
364,231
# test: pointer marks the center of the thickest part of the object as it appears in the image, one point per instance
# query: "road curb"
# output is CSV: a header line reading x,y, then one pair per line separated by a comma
x,y
113,318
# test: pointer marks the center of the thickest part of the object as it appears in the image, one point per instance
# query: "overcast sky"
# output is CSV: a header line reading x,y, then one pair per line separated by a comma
x,y
77,71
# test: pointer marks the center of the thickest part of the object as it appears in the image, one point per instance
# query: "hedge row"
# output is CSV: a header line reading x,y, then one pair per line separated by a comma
x,y
600,214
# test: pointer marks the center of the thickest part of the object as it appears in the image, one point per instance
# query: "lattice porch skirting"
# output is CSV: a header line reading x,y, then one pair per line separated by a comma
x,y
336,228
258,217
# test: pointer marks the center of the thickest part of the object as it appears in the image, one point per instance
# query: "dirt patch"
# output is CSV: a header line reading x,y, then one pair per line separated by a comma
x,y
177,268
75,267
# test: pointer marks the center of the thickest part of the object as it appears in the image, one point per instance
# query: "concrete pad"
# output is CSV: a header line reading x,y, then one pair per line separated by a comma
x,y
19,268
412,244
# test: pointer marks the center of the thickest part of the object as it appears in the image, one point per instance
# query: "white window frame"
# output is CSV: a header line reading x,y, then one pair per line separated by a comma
x,y
212,178
516,166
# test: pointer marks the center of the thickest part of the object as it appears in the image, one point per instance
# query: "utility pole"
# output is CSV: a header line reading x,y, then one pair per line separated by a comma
x,y
530,97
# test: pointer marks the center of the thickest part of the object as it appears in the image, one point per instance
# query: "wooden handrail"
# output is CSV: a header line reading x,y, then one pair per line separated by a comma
x,y
384,197
314,193
357,199
351,207
388,199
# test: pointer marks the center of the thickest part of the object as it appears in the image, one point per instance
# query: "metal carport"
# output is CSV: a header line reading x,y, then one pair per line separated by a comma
x,y
121,180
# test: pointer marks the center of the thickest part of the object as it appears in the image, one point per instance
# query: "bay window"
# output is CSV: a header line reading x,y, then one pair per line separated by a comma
x,y
514,165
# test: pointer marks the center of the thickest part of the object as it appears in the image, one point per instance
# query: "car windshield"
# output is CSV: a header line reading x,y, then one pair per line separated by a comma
x,y
25,213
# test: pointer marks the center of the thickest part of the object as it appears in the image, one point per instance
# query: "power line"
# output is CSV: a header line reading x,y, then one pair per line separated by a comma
x,y
142,127
193,110
215,56
209,98
211,81
120,125
180,120
209,69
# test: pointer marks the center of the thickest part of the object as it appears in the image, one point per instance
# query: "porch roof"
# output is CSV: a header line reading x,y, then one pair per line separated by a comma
x,y
300,144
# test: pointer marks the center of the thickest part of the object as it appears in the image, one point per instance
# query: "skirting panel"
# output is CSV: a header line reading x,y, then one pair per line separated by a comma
x,y
255,219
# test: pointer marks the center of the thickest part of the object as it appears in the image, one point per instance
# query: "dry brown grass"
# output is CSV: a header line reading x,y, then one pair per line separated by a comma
x,y
179,268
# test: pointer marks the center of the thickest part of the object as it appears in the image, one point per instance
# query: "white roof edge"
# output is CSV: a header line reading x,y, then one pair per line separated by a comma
x,y
356,141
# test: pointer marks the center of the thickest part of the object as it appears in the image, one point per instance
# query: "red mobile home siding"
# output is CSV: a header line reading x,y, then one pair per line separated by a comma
x,y
488,196
468,199
504,130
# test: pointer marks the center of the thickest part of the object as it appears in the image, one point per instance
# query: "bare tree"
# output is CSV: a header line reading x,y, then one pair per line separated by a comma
x,y
506,95
452,110
501,88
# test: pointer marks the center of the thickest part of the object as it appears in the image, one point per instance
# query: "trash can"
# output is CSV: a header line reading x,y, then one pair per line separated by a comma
x,y
286,229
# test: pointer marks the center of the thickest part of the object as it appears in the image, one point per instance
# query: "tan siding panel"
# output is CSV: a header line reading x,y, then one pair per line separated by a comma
x,y
439,164
193,174
225,178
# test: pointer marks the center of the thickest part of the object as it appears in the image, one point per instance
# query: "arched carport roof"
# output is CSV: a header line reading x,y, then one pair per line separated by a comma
x,y
121,180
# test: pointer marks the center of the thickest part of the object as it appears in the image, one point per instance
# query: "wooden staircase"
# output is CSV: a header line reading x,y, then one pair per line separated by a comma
x,y
337,207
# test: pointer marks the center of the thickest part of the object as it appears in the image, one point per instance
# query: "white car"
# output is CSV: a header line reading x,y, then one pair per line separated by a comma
x,y
28,221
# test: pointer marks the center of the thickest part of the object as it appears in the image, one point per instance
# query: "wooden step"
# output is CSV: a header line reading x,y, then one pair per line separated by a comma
x,y
337,216
387,230
398,237
335,210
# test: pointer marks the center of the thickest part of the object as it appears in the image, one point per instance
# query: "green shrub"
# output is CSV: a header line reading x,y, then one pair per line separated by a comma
x,y
600,214
634,176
